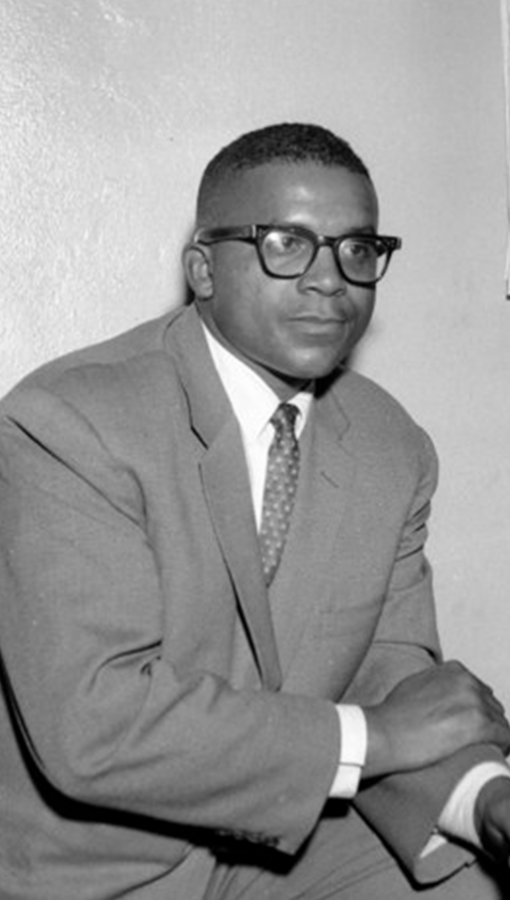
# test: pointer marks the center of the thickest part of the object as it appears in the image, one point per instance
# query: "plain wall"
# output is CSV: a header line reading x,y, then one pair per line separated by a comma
x,y
109,110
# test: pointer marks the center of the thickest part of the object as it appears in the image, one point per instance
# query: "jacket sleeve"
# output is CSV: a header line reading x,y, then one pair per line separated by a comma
x,y
107,718
404,808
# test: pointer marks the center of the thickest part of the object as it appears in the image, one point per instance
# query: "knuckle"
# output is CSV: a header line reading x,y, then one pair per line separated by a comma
x,y
458,673
456,665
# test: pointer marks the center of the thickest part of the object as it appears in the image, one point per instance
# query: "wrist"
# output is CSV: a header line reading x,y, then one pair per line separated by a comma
x,y
495,790
379,756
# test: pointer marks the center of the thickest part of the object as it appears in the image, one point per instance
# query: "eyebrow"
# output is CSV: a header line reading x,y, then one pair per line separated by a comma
x,y
362,229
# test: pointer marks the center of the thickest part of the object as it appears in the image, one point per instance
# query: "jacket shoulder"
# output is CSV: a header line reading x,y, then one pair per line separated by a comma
x,y
362,398
378,420
147,338
120,387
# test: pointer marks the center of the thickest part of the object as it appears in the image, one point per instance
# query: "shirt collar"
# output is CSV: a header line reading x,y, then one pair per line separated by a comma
x,y
253,401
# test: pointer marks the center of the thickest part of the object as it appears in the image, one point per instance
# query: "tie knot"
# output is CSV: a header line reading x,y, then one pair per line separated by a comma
x,y
284,418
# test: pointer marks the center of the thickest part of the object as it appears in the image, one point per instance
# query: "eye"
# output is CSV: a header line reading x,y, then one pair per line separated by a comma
x,y
362,258
359,250
285,243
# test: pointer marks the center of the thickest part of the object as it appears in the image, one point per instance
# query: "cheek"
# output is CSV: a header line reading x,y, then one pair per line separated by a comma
x,y
247,302
240,319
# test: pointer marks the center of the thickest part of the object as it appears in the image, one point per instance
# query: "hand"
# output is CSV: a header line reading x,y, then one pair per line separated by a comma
x,y
430,716
492,818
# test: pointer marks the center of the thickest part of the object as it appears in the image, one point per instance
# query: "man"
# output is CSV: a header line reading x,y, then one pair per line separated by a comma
x,y
221,672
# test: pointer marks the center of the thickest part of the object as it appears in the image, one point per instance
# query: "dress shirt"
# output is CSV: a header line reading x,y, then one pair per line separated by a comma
x,y
254,403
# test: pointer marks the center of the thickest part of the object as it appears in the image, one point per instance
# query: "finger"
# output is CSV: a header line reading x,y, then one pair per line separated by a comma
x,y
499,735
490,701
497,709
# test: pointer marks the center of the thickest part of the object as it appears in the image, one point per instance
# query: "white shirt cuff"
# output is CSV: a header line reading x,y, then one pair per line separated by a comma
x,y
457,817
353,750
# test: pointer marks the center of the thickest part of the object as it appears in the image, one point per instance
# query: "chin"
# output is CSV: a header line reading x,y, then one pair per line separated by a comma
x,y
315,369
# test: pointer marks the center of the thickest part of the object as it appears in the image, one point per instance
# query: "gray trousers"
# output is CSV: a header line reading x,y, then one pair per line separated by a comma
x,y
348,863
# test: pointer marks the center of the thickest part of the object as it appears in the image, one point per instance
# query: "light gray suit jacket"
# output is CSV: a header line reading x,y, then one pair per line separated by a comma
x,y
155,697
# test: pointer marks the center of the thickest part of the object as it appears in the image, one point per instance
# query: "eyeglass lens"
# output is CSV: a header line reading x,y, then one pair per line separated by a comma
x,y
289,254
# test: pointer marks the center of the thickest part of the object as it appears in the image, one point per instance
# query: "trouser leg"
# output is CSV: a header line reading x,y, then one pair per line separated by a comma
x,y
344,860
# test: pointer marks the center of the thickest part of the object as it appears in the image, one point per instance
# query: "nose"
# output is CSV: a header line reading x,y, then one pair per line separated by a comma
x,y
324,275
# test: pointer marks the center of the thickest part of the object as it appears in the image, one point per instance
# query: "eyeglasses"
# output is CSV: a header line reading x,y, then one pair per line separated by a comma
x,y
288,251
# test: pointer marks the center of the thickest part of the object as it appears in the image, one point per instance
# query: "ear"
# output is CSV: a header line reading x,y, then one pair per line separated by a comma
x,y
197,263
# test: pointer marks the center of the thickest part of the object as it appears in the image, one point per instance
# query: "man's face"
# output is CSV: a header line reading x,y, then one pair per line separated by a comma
x,y
290,330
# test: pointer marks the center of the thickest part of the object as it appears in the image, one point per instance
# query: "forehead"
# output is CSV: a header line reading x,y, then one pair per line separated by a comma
x,y
325,197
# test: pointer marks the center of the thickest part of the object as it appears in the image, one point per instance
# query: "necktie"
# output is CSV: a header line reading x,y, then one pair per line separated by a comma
x,y
280,488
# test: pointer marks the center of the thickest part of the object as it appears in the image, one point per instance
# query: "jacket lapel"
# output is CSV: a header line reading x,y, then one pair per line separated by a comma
x,y
226,487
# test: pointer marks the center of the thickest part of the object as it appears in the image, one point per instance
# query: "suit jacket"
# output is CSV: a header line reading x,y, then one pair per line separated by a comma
x,y
155,697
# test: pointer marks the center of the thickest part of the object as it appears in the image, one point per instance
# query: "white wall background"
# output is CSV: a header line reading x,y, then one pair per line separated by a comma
x,y
109,110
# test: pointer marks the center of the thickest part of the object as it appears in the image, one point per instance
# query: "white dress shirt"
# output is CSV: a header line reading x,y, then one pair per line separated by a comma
x,y
254,403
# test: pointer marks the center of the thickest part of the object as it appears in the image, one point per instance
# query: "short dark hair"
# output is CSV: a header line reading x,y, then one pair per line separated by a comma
x,y
291,142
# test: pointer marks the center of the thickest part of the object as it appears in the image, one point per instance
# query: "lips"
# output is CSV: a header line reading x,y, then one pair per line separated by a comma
x,y
319,323
322,320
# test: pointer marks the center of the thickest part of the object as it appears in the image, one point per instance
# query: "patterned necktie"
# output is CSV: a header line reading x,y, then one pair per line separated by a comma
x,y
280,488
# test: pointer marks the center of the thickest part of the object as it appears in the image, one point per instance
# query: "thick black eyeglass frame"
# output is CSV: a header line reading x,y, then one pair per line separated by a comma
x,y
255,234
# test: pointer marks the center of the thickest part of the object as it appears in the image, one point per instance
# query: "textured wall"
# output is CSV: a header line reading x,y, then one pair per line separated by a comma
x,y
109,110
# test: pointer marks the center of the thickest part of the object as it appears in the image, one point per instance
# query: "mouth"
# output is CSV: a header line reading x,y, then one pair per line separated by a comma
x,y
317,323
314,317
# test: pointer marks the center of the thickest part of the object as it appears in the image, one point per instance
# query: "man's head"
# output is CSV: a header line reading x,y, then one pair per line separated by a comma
x,y
289,305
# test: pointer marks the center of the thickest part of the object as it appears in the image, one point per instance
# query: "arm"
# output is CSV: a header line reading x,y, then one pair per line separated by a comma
x,y
406,644
111,717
